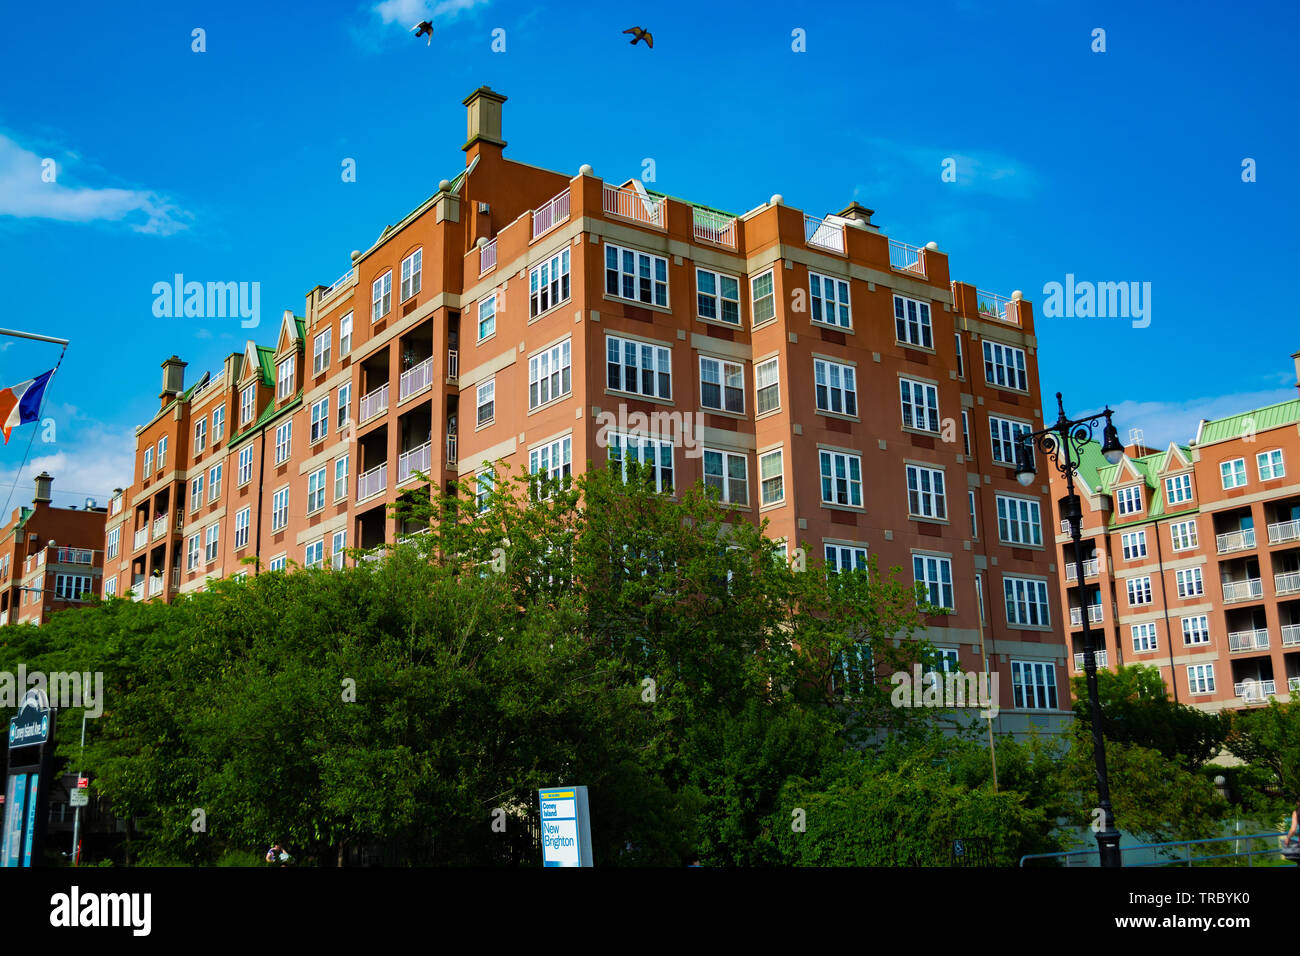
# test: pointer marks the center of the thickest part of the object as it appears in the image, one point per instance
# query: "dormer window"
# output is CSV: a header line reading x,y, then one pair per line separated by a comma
x,y
1128,500
284,380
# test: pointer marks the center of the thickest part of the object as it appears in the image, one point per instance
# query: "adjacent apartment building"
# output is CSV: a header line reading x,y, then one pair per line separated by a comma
x,y
1192,559
50,558
819,374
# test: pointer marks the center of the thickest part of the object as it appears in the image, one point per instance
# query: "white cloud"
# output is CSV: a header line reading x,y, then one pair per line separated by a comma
x,y
25,195
890,164
410,12
1165,422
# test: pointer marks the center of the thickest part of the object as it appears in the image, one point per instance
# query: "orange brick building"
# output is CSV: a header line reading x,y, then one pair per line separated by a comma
x,y
1192,559
821,375
49,557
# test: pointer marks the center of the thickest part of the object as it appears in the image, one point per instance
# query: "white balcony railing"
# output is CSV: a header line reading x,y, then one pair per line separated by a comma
x,y
155,585
1280,532
1242,590
487,257
823,234
551,215
372,482
453,363
115,505
1255,690
1288,582
417,459
906,258
141,537
75,556
1231,541
1291,635
995,306
137,590
415,379
1100,655
1293,684
1089,570
338,284
1065,526
1252,640
159,526
451,450
1094,615
4,618
375,403
630,204
715,228
176,577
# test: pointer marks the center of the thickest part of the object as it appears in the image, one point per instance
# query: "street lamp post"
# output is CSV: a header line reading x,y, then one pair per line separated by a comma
x,y
1063,443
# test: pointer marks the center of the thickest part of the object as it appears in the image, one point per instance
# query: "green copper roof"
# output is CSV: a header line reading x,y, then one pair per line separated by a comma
x,y
1252,422
266,359
269,414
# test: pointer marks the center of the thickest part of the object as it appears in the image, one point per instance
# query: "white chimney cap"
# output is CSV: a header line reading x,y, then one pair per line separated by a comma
x,y
777,199
932,246
586,170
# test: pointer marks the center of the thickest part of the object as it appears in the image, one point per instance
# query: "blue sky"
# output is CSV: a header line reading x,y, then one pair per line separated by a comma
x,y
225,166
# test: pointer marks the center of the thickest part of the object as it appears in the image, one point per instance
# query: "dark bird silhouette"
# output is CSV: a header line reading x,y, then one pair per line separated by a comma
x,y
424,28
641,34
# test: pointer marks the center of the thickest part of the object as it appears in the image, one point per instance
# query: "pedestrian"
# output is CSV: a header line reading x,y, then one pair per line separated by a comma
x,y
277,853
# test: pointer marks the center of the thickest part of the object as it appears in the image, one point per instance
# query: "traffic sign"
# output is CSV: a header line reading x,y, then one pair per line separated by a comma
x,y
566,826
80,798
83,782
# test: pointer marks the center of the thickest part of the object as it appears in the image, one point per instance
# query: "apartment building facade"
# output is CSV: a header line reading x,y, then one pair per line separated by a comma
x,y
50,558
822,376
1192,559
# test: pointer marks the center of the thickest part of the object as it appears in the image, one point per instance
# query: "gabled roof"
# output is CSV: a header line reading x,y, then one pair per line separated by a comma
x,y
1248,423
269,414
1176,456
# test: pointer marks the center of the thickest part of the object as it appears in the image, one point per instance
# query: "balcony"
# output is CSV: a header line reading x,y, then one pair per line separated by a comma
x,y
338,284
1235,540
1293,684
550,215
630,204
1089,570
716,228
141,538
376,403
487,257
372,482
414,380
1094,615
1255,690
1280,532
1288,582
75,556
4,618
1065,526
823,234
155,585
906,258
451,450
1101,660
1242,590
1241,641
453,363
417,459
994,306
159,526
137,591
1291,635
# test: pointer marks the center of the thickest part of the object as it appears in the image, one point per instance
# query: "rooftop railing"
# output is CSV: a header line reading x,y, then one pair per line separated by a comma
x,y
823,234
551,215
487,257
338,284
995,306
716,228
630,204
906,258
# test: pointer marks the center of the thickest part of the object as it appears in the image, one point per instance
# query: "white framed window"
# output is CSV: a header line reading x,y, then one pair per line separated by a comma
x,y
1233,473
961,358
554,460
314,556
1269,463
548,283
218,424
1200,678
1144,637
1182,535
320,351
345,405
338,545
1134,545
767,386
841,475
245,465
1026,601
280,509
1033,685
112,547
1005,434
1178,489
345,335
70,587
277,563
284,375
624,450
214,482
242,519
640,276
1196,630
762,294
638,367
200,435
974,526
1139,591
485,402
728,472
193,547
484,482
247,404
211,542
487,316
283,442
1019,520
1004,366
162,453
411,268
717,296
550,374
110,587
320,420
912,324
846,557
934,574
965,432
1128,501
925,493
771,476
836,387
196,492
381,296
1190,583
148,462
340,478
829,300
316,482
979,596
920,405
722,385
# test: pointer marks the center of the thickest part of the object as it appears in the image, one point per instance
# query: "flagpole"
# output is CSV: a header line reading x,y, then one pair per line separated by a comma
x,y
33,335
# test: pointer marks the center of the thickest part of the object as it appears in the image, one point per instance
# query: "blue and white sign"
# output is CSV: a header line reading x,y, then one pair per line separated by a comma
x,y
566,827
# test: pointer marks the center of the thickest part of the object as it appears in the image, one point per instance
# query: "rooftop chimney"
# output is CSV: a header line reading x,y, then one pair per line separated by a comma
x,y
861,213
173,381
483,117
43,482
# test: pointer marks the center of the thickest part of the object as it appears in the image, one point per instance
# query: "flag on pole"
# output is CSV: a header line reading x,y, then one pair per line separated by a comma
x,y
21,404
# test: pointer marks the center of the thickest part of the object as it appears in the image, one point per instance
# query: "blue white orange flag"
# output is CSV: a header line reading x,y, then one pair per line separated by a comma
x,y
21,404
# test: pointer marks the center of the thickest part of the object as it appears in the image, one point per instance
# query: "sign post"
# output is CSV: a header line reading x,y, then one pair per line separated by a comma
x,y
566,826
31,754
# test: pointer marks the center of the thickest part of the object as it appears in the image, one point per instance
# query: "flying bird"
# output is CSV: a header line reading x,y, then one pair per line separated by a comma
x,y
424,28
641,34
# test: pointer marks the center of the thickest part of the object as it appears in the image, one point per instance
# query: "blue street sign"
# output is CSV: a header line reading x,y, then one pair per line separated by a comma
x,y
566,826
